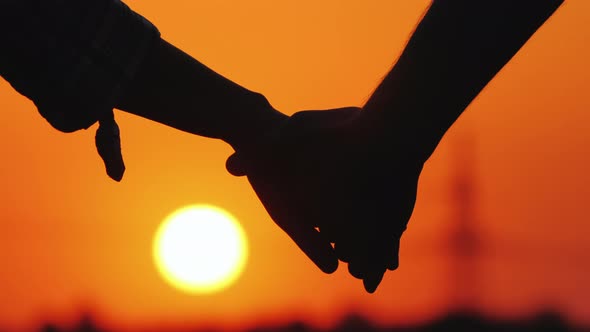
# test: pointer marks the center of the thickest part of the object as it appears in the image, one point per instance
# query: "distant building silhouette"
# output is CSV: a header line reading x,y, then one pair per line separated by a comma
x,y
464,240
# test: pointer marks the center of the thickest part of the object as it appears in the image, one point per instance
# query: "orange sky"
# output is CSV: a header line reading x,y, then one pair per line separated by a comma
x,y
72,239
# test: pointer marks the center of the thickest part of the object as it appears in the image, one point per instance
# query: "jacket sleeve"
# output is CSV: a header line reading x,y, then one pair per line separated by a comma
x,y
72,58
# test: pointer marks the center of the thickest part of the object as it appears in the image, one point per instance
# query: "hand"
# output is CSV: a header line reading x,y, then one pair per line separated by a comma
x,y
326,169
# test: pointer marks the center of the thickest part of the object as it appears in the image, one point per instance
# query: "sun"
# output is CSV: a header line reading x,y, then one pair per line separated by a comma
x,y
200,249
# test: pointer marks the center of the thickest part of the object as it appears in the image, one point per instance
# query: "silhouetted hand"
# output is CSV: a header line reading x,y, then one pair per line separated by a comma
x,y
326,169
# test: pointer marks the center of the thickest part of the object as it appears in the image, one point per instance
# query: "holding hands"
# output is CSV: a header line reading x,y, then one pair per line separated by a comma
x,y
349,177
341,183
327,178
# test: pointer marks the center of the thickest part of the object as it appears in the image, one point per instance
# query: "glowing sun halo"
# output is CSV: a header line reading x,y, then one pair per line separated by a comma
x,y
200,249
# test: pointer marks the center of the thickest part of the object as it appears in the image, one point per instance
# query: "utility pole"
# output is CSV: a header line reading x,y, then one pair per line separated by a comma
x,y
464,240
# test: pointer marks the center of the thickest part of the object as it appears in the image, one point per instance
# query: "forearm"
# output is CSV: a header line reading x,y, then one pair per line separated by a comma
x,y
457,48
174,89
78,59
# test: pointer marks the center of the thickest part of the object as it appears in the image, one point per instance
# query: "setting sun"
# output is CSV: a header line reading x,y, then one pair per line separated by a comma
x,y
200,249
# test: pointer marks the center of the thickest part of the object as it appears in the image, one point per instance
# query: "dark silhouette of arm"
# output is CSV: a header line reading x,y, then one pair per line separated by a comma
x,y
355,174
457,48
76,60
174,89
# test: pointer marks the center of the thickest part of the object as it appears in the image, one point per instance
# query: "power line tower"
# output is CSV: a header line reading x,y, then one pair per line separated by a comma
x,y
464,239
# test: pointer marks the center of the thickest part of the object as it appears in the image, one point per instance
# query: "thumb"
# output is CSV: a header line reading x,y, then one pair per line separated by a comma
x,y
235,165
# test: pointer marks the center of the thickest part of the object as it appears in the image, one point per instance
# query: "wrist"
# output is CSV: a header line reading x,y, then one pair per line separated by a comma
x,y
247,133
396,135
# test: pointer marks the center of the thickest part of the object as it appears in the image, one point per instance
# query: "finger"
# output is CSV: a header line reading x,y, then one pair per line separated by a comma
x,y
285,208
373,279
356,269
301,230
393,258
235,165
378,253
356,247
329,232
357,255
343,251
320,119
374,271
314,245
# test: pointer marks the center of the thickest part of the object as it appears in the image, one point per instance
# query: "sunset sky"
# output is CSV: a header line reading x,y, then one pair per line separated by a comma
x,y
72,240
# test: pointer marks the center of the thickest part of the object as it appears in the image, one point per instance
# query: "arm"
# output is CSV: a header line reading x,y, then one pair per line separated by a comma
x,y
174,89
338,176
77,60
457,48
